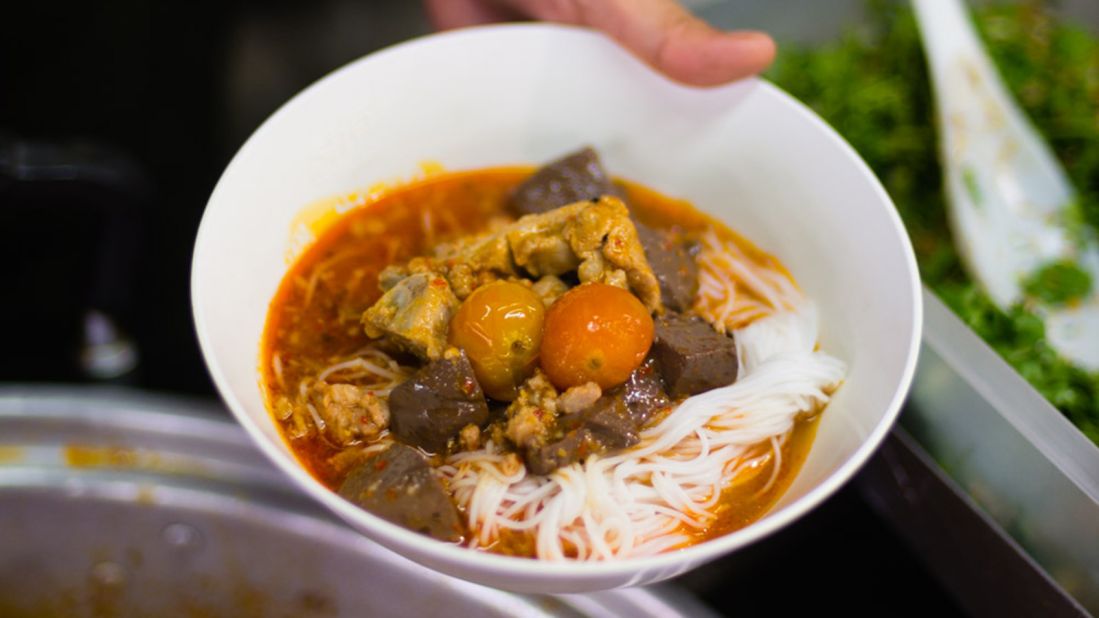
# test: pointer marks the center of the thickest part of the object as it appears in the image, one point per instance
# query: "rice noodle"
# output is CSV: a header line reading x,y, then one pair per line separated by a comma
x,y
776,464
317,420
382,443
735,289
653,496
368,367
276,367
647,499
659,494
320,270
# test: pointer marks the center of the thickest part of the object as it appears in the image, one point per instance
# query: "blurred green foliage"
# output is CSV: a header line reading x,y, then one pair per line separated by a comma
x,y
872,86
1058,283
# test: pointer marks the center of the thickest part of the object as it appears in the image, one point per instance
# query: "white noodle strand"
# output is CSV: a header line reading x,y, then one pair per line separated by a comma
x,y
646,499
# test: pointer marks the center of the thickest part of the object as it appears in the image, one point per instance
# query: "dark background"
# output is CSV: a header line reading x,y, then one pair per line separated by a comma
x,y
116,119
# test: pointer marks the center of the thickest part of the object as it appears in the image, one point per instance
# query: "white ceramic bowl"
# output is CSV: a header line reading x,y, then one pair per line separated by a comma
x,y
747,153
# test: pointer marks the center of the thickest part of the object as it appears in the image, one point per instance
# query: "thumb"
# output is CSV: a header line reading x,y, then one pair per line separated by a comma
x,y
672,40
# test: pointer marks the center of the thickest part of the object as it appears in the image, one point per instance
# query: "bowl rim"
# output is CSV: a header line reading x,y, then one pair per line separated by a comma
x,y
471,561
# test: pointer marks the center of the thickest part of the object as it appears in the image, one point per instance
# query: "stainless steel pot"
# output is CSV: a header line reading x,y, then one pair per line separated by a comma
x,y
116,503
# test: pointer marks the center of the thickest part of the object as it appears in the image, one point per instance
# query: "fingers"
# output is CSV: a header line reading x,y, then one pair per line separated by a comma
x,y
660,32
676,43
449,14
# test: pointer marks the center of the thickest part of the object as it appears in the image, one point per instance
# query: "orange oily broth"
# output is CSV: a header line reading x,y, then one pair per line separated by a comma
x,y
749,499
666,212
314,316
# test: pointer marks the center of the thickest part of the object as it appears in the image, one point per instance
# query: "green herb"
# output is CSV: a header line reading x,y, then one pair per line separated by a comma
x,y
1018,335
1058,283
969,177
1071,218
872,86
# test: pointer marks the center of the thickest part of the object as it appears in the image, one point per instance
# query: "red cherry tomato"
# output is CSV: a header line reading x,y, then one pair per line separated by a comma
x,y
500,328
595,333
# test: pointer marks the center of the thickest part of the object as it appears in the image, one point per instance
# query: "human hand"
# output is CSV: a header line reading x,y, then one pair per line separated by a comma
x,y
660,32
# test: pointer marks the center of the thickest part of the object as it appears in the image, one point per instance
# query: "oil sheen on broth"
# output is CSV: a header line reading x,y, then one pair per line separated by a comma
x,y
315,318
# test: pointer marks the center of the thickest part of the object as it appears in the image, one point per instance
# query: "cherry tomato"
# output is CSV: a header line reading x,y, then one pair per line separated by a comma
x,y
595,333
500,328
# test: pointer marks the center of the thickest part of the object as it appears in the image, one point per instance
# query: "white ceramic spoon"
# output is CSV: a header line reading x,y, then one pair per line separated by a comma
x,y
1007,195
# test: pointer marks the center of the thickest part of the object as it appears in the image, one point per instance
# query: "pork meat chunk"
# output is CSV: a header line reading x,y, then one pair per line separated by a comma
x,y
414,315
532,415
674,266
399,486
431,408
573,178
579,398
596,238
692,356
550,288
604,426
538,243
575,446
610,422
488,251
644,393
350,413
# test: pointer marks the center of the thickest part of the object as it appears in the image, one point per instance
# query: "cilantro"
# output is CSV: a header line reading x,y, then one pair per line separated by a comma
x,y
969,178
872,86
1058,283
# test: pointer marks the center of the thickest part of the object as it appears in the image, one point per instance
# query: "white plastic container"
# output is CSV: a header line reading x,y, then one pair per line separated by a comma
x,y
1015,454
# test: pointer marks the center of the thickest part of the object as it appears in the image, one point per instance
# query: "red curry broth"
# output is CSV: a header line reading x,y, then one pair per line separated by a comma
x,y
314,317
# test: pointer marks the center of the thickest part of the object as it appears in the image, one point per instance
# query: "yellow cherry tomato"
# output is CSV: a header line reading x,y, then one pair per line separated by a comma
x,y
595,333
500,328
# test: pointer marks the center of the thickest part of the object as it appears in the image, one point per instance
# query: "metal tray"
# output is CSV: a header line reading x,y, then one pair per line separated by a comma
x,y
114,503
1020,460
